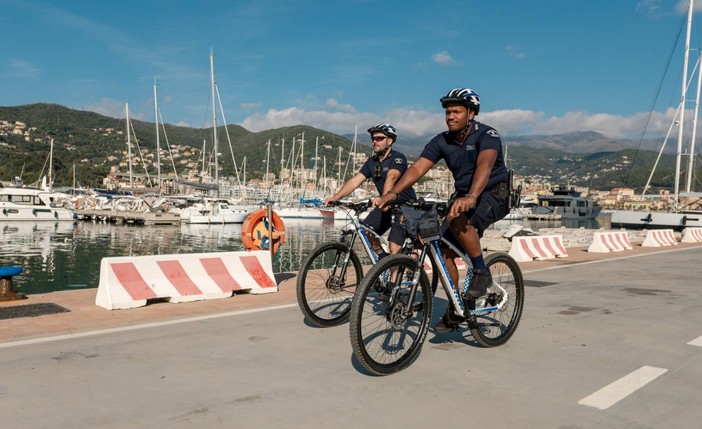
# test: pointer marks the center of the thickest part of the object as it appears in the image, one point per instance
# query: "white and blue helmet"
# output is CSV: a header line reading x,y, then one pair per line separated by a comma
x,y
386,129
464,96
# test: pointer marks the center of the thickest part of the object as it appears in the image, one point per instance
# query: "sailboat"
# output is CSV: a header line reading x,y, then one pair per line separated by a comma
x,y
18,202
215,210
679,218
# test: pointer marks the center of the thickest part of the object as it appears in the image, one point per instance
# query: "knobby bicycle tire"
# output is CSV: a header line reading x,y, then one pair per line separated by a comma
x,y
385,337
495,328
325,300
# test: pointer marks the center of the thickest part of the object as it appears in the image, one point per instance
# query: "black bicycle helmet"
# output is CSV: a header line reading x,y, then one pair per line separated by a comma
x,y
465,96
386,129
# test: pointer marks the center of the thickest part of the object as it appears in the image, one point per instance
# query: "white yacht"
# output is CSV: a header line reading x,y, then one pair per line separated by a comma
x,y
18,203
565,204
215,211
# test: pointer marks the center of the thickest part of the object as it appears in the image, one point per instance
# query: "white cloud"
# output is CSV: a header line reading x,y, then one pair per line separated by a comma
x,y
413,123
443,58
420,123
22,69
114,109
250,106
515,53
334,104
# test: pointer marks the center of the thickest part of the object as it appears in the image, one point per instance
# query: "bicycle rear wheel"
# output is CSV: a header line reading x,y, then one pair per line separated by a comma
x,y
324,289
496,327
387,336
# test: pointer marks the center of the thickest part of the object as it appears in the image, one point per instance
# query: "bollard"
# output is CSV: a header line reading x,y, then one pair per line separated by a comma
x,y
7,292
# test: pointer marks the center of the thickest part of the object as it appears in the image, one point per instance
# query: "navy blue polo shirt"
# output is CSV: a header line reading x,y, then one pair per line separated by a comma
x,y
461,157
378,171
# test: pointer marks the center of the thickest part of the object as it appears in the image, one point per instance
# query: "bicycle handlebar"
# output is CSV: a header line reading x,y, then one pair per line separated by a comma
x,y
420,204
358,207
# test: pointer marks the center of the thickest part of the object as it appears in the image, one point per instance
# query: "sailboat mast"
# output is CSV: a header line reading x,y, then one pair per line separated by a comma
x,y
158,142
129,146
282,160
51,166
316,158
682,105
214,124
688,186
268,158
339,164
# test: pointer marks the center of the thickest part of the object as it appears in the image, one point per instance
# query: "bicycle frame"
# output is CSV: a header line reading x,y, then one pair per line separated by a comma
x,y
433,250
359,229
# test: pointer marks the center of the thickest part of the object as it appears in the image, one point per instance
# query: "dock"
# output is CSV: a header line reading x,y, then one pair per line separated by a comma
x,y
123,216
544,216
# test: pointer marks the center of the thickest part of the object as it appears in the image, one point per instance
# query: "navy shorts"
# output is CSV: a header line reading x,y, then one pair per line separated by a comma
x,y
381,221
489,209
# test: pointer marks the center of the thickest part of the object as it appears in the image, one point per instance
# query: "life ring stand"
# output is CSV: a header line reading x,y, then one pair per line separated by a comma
x,y
254,231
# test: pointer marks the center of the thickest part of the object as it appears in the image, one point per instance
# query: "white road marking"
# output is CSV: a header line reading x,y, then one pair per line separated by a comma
x,y
696,342
620,389
141,326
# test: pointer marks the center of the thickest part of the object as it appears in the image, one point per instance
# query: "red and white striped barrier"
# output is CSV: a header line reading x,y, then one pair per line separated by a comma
x,y
610,241
659,237
459,264
129,281
691,235
537,247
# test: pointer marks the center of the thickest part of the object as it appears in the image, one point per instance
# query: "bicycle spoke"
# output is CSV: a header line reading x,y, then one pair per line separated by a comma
x,y
324,289
387,335
496,327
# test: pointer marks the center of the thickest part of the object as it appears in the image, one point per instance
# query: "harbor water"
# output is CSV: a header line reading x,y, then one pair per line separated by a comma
x,y
65,255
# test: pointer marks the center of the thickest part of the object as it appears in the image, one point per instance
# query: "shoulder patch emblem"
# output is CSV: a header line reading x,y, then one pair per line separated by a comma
x,y
398,160
493,133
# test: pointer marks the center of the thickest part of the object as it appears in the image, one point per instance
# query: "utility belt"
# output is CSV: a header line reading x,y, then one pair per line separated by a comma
x,y
507,191
504,190
501,189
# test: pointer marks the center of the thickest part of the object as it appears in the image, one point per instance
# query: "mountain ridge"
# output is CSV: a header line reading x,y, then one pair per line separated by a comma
x,y
94,143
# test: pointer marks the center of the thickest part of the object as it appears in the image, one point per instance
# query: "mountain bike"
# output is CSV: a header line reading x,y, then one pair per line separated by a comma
x,y
329,276
387,336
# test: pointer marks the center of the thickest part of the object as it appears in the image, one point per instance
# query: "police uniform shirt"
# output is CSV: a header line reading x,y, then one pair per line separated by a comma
x,y
461,157
378,171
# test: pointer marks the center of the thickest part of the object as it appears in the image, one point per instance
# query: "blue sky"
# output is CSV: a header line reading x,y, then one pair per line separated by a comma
x,y
540,67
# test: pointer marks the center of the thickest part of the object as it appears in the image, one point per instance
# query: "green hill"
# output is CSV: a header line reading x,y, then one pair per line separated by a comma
x,y
96,143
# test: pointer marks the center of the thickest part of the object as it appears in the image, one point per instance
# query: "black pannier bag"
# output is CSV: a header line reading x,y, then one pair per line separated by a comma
x,y
420,223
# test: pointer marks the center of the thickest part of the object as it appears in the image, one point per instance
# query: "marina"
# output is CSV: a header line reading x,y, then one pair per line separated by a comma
x,y
58,256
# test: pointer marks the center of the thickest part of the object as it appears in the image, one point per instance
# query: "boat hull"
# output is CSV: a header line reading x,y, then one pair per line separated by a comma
x,y
655,220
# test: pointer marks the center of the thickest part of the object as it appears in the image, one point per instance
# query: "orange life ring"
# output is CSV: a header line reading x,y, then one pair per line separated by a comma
x,y
254,231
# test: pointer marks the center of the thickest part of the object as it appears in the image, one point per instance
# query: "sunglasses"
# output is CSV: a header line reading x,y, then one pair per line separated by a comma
x,y
378,138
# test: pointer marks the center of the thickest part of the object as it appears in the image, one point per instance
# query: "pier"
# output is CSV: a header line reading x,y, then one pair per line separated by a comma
x,y
247,361
135,217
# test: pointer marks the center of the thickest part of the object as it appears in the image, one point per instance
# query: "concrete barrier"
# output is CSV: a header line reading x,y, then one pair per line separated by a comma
x,y
659,237
130,281
537,247
610,241
459,264
691,235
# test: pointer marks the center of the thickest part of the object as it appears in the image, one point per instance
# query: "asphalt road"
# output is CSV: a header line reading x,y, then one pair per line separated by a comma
x,y
615,343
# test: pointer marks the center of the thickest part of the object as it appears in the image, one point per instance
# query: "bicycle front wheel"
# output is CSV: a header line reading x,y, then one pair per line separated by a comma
x,y
387,333
325,286
496,327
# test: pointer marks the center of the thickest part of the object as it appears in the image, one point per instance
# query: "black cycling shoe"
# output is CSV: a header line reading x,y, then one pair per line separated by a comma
x,y
448,323
479,284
